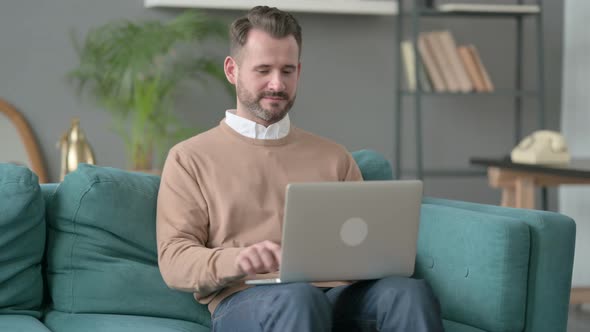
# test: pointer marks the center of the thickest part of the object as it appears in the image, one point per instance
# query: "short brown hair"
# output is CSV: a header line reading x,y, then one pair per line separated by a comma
x,y
273,21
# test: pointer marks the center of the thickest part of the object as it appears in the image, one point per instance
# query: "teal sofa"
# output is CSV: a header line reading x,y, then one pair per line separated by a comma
x,y
81,256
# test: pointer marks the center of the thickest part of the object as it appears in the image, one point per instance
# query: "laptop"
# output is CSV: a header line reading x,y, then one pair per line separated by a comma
x,y
348,231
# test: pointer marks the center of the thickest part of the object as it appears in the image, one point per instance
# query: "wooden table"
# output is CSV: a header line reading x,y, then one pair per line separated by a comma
x,y
519,181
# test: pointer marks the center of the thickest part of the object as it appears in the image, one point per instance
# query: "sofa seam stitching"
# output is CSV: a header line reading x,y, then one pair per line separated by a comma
x,y
74,223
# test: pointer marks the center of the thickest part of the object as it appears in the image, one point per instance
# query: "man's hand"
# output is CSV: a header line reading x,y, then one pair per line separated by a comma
x,y
259,258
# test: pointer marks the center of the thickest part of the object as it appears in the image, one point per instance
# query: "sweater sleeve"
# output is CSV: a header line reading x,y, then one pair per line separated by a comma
x,y
182,233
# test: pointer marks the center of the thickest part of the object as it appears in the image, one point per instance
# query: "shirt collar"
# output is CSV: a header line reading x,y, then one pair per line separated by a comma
x,y
252,129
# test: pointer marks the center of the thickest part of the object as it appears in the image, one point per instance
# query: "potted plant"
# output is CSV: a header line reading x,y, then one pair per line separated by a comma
x,y
132,69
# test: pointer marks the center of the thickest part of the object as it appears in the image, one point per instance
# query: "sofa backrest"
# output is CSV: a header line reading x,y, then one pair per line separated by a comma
x,y
22,241
373,166
101,253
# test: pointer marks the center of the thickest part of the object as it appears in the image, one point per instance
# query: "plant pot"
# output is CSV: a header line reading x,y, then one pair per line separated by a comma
x,y
157,172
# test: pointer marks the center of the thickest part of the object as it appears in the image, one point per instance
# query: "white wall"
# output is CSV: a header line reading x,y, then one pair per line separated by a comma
x,y
574,201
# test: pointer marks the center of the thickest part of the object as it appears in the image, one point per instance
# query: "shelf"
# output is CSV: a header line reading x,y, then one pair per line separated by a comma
x,y
457,9
359,7
436,13
515,93
448,172
497,93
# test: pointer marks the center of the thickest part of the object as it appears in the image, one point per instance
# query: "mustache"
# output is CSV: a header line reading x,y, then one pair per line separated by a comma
x,y
279,94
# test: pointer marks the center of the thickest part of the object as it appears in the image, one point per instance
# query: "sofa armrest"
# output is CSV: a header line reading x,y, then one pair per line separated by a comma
x,y
476,264
550,254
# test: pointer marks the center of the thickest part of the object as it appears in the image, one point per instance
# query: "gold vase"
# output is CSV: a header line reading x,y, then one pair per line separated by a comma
x,y
74,149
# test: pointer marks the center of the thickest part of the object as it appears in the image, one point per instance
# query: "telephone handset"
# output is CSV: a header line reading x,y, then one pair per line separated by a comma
x,y
541,147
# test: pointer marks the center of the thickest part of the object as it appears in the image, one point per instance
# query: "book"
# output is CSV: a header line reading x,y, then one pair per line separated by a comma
x,y
442,61
409,64
471,69
408,54
489,86
455,64
430,65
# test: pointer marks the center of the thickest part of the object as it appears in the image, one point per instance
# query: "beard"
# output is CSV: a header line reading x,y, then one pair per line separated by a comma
x,y
252,104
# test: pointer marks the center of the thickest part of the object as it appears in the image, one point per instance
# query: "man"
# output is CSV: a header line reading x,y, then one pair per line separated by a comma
x,y
222,194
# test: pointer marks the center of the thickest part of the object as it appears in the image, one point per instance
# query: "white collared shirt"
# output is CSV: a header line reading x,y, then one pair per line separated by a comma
x,y
252,129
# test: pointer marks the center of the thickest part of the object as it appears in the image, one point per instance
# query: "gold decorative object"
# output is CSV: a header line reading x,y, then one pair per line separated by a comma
x,y
74,149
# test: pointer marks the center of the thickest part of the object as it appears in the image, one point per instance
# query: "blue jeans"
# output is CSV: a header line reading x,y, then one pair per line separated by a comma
x,y
389,304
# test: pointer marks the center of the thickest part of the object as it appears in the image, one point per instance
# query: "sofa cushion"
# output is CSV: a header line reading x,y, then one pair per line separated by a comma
x,y
102,248
64,322
22,241
21,323
451,326
373,165
481,279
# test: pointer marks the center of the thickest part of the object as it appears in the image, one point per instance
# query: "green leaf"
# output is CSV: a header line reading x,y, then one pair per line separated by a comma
x,y
133,69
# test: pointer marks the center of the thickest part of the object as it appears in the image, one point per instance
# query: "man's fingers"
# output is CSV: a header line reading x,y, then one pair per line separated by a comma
x,y
271,245
255,260
276,252
278,256
263,257
268,259
246,266
275,249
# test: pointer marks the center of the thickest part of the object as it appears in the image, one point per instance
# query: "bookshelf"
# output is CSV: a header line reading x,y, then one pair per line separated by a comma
x,y
352,7
518,12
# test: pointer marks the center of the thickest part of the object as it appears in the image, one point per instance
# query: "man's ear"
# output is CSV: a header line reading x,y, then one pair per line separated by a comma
x,y
230,67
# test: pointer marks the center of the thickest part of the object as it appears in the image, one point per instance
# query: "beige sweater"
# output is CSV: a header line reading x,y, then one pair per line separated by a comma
x,y
221,191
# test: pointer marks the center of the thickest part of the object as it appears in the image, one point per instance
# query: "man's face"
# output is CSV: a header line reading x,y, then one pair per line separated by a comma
x,y
265,73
